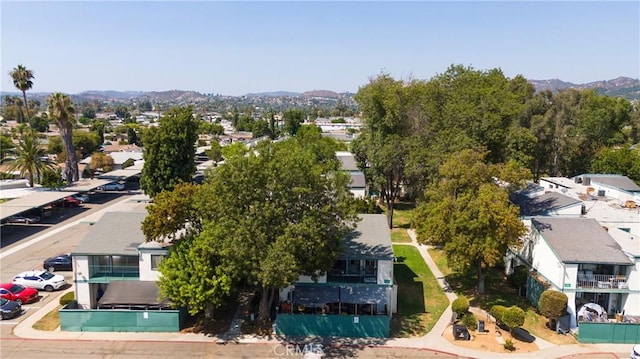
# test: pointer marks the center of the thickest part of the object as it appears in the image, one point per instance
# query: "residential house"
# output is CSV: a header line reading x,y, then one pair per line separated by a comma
x,y
115,273
357,184
584,241
119,158
356,298
579,257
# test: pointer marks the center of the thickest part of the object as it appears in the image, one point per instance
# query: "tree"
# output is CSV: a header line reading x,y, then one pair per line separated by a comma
x,y
292,121
553,304
145,105
22,80
169,151
382,148
6,145
39,123
28,156
89,112
624,160
61,110
215,152
85,142
101,161
122,112
468,214
51,179
264,218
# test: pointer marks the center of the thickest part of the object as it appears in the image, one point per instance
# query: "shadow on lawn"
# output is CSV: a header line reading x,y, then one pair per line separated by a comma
x,y
408,321
498,290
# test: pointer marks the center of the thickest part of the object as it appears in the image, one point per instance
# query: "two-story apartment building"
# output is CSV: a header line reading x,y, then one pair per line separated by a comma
x,y
115,274
358,183
356,298
583,242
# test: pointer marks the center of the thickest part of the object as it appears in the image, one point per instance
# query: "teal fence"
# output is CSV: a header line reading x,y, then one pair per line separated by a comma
x,y
534,290
366,326
619,333
114,320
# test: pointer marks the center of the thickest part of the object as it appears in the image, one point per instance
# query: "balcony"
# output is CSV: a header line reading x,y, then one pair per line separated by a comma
x,y
601,281
106,273
339,277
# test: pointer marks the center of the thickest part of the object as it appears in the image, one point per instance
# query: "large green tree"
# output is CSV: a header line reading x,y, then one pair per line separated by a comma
x,y
62,111
28,157
469,215
22,80
262,219
169,151
382,149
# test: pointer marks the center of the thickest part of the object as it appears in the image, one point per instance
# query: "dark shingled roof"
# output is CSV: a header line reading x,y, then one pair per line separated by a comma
x,y
580,240
357,180
115,233
370,240
542,205
132,294
348,161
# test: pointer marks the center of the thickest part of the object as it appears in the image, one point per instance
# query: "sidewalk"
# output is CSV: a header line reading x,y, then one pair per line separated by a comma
x,y
432,340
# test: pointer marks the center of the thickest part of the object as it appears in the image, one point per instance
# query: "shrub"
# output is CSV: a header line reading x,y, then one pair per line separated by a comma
x,y
552,304
519,277
513,317
508,344
470,321
497,311
460,305
67,298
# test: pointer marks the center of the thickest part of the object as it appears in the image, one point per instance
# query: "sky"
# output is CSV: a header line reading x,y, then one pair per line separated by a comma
x,y
234,48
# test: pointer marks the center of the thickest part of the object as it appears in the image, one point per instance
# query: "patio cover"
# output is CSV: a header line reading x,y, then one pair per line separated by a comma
x,y
308,296
121,294
364,295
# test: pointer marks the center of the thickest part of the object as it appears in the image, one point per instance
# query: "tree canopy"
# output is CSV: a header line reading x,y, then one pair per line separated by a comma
x,y
468,214
169,151
262,219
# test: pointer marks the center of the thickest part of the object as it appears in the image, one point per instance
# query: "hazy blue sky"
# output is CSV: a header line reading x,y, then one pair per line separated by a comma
x,y
233,48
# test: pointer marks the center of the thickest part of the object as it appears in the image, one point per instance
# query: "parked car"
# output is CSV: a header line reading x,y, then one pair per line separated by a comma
x,y
18,293
9,309
82,198
67,202
59,262
23,219
113,186
635,352
41,279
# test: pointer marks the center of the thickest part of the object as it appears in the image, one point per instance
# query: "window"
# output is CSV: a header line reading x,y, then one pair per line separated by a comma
x,y
156,259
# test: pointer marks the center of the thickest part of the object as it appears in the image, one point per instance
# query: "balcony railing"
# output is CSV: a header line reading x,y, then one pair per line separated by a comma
x,y
352,278
123,272
603,281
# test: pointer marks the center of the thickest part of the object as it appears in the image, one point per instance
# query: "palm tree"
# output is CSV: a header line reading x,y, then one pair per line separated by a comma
x,y
61,109
22,81
28,157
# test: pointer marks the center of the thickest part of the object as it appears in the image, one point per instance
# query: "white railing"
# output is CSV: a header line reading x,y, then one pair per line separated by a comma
x,y
588,280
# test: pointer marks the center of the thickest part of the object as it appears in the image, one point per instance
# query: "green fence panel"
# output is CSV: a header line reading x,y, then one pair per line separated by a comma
x,y
618,333
103,320
366,326
534,290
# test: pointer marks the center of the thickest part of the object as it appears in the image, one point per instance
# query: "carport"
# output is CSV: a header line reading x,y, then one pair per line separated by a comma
x,y
120,175
29,202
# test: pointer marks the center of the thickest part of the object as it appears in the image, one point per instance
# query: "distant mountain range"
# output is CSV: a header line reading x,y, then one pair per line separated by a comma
x,y
619,87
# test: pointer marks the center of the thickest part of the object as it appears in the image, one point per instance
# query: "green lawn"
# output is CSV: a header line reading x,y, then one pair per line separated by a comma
x,y
421,301
400,235
497,291
403,214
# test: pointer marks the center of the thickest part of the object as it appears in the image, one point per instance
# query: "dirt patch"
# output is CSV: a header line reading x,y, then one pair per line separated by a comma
x,y
492,340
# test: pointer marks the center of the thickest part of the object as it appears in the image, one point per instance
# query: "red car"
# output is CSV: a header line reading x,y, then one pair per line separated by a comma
x,y
18,293
68,202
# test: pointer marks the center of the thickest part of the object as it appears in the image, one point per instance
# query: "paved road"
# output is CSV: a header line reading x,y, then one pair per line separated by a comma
x,y
20,349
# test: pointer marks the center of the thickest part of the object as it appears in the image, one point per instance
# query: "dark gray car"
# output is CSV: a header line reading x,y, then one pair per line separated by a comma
x,y
9,309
